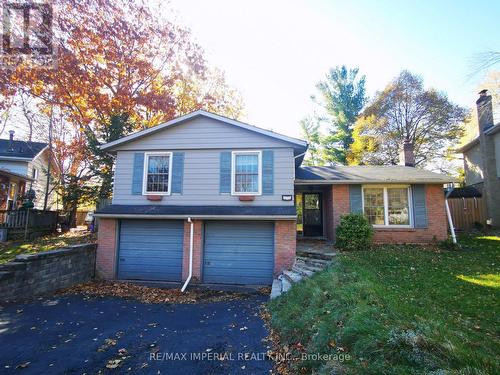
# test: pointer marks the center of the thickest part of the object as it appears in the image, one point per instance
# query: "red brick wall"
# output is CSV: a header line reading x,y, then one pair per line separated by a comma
x,y
106,249
436,222
197,250
341,205
284,244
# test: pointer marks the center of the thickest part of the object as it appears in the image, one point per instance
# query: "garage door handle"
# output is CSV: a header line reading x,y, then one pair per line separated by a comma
x,y
122,259
207,263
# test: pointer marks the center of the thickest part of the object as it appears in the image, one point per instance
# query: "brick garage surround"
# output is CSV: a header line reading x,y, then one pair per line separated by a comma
x,y
106,249
197,250
284,244
437,229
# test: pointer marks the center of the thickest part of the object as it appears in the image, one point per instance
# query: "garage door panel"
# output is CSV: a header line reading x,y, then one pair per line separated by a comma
x,y
239,252
151,250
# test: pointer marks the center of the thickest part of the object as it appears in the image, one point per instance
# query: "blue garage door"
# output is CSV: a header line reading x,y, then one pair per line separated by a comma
x,y
151,250
238,252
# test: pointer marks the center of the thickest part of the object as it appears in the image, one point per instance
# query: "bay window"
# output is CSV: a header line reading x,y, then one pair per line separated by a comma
x,y
246,173
387,205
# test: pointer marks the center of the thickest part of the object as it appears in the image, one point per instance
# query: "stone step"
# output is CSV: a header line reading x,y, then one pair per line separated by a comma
x,y
310,267
292,276
302,270
316,254
276,289
313,261
285,285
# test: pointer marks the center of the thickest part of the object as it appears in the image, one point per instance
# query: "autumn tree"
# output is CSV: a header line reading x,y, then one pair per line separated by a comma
x,y
405,111
341,97
121,67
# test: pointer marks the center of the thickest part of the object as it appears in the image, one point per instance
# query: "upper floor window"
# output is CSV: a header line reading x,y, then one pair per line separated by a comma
x,y
387,206
34,173
157,168
246,173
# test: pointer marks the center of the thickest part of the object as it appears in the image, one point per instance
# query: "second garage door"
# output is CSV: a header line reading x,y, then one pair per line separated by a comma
x,y
238,252
151,250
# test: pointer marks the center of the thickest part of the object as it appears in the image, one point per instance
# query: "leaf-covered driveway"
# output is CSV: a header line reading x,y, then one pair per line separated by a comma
x,y
76,334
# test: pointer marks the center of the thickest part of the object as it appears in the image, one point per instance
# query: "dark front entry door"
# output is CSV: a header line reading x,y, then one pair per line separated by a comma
x,y
313,215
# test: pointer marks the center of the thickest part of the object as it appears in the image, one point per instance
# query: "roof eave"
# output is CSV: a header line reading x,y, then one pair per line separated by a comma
x,y
357,182
206,217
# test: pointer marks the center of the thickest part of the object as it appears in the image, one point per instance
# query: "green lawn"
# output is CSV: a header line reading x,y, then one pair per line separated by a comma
x,y
9,250
398,310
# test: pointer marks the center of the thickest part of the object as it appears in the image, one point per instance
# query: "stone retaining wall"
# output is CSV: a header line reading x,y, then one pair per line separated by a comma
x,y
30,275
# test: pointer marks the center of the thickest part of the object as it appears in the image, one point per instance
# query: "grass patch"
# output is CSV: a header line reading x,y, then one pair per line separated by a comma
x,y
9,249
398,310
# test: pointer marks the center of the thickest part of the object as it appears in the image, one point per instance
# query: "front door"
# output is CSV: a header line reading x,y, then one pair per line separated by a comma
x,y
312,215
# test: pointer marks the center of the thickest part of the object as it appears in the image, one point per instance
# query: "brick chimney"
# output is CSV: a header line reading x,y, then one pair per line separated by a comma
x,y
407,154
491,183
484,111
11,141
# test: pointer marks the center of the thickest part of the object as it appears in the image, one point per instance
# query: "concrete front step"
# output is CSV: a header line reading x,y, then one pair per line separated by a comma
x,y
316,254
292,276
276,289
302,270
285,285
313,261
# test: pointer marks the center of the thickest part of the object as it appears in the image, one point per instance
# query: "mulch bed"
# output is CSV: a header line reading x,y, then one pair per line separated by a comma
x,y
153,295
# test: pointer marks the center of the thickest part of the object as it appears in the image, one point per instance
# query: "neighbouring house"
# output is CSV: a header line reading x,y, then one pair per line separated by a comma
x,y
237,197
482,159
24,166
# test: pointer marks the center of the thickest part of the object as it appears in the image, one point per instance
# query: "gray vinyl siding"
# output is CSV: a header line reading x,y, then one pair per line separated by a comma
x,y
201,179
20,167
473,165
203,133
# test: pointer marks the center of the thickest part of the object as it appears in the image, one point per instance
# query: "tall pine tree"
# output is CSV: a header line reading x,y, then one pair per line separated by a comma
x,y
342,97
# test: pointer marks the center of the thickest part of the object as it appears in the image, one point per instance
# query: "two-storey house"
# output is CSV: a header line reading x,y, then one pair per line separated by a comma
x,y
223,201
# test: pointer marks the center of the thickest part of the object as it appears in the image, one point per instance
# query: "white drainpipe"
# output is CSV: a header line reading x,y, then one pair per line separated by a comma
x,y
190,256
448,213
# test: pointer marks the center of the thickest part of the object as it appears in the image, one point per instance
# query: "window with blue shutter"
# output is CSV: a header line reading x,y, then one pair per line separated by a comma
x,y
177,172
138,173
225,172
355,199
268,172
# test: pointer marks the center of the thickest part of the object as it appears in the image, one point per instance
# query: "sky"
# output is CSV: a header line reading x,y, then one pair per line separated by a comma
x,y
276,51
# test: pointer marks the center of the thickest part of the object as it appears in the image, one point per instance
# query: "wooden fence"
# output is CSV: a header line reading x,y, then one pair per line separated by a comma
x,y
467,213
27,223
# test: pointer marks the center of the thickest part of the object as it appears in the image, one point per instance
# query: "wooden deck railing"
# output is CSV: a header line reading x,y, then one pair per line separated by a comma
x,y
20,219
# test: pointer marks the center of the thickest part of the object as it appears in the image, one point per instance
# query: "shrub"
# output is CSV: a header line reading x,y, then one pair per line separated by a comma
x,y
354,232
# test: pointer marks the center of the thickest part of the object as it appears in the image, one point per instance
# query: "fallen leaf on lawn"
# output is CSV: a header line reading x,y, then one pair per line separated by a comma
x,y
114,363
122,351
23,365
243,328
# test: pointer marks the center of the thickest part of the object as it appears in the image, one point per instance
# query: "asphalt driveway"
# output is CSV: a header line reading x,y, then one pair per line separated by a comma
x,y
74,334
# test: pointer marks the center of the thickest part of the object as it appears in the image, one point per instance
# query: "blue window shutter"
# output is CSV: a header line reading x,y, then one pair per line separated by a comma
x,y
419,206
177,172
138,173
268,172
355,199
225,172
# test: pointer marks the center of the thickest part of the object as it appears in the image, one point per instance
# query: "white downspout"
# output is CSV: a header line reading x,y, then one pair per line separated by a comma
x,y
190,256
448,213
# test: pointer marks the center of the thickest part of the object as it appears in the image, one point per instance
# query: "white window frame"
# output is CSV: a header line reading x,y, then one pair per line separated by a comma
x,y
145,173
34,174
386,205
233,171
